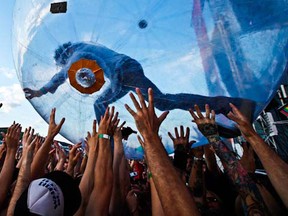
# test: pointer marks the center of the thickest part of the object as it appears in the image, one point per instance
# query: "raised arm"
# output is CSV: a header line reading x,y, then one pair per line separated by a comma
x,y
57,80
164,174
41,157
196,180
87,181
275,167
121,178
12,139
61,156
246,187
24,177
103,174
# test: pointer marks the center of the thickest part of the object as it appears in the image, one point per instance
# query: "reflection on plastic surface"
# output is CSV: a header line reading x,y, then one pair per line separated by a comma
x,y
195,51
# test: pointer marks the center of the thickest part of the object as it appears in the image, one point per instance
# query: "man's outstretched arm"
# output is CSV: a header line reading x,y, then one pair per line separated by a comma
x,y
173,194
276,168
57,80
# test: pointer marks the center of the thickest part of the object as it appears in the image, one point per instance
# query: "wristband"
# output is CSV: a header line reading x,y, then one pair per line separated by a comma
x,y
43,90
149,175
104,136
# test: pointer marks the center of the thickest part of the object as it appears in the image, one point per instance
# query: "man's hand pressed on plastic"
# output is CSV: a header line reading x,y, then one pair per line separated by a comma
x,y
29,93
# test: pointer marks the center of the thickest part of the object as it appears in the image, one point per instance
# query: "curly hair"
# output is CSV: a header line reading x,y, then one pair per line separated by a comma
x,y
61,49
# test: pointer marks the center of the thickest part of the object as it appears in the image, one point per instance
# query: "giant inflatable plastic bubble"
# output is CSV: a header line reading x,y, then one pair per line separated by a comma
x,y
81,56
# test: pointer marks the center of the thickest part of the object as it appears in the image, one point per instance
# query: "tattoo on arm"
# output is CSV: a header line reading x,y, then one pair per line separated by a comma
x,y
239,176
210,131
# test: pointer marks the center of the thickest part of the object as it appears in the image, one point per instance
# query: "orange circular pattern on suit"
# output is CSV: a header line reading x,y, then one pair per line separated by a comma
x,y
96,70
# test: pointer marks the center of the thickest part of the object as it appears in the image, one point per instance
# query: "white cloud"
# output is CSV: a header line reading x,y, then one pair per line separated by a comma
x,y
7,72
11,96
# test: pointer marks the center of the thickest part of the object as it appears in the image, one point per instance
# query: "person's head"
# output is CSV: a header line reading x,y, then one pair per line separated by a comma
x,y
56,193
63,53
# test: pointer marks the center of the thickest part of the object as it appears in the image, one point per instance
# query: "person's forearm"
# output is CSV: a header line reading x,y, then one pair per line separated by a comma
x,y
244,184
211,160
19,163
275,167
83,164
60,165
87,181
196,180
23,181
6,175
172,192
41,158
117,199
54,83
103,178
2,152
157,209
70,170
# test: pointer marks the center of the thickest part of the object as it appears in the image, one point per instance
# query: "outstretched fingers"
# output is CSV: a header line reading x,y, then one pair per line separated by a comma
x,y
207,111
163,116
151,101
141,98
198,111
135,102
121,126
187,132
171,136
130,110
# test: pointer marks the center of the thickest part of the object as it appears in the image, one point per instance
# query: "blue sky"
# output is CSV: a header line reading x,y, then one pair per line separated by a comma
x,y
15,106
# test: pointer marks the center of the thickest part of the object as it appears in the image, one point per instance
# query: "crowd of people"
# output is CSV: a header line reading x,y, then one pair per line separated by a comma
x,y
38,177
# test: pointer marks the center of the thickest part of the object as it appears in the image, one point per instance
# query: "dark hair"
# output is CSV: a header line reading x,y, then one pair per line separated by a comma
x,y
61,49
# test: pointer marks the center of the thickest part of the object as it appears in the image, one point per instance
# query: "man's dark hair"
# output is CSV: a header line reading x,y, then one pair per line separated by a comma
x,y
61,49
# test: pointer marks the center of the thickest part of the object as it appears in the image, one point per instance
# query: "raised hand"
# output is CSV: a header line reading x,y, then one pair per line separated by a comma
x,y
109,122
29,145
206,125
53,127
242,121
74,156
27,136
182,139
60,153
92,140
146,120
13,136
29,93
117,132
38,144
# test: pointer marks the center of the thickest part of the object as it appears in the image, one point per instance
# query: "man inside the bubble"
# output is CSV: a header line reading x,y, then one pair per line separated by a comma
x,y
124,74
